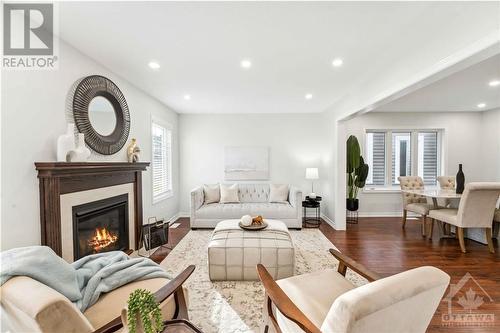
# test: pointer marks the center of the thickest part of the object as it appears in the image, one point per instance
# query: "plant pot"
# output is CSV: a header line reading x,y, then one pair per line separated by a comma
x,y
352,204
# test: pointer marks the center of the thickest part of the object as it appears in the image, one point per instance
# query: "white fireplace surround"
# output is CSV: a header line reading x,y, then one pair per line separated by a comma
x,y
69,200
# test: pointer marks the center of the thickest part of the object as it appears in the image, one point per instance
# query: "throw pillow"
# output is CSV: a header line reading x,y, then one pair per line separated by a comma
x,y
278,193
212,193
229,193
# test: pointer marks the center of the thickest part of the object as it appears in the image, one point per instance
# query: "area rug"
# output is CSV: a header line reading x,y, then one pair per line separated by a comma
x,y
237,306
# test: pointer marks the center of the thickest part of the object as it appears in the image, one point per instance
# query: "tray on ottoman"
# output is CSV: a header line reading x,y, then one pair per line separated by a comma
x,y
233,253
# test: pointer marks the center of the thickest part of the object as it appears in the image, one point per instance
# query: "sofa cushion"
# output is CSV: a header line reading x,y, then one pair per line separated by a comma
x,y
110,305
211,193
236,211
254,192
229,193
278,193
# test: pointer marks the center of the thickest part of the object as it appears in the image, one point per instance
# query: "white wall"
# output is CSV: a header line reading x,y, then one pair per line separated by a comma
x,y
33,115
490,144
464,136
296,141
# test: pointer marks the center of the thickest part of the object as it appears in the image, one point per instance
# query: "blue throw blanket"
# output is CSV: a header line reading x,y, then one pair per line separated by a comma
x,y
82,281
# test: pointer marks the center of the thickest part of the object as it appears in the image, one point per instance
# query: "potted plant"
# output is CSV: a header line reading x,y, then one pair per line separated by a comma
x,y
357,172
143,313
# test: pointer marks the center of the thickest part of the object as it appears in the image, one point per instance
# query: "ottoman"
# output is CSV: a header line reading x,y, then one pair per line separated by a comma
x,y
233,253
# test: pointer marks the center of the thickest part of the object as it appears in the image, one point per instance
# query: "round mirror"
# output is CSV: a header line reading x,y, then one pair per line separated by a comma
x,y
102,115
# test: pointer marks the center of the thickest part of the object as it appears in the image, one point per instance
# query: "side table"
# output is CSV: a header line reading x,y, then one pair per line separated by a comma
x,y
314,203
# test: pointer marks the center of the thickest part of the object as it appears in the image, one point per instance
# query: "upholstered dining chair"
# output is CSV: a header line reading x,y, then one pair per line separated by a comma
x,y
446,183
326,301
476,210
31,306
413,202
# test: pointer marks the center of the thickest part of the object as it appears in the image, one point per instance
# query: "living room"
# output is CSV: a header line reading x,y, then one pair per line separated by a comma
x,y
218,135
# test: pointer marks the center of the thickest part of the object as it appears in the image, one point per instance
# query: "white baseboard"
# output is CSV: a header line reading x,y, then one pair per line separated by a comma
x,y
328,220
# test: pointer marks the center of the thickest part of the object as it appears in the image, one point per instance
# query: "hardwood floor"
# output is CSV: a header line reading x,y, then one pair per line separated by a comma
x,y
384,247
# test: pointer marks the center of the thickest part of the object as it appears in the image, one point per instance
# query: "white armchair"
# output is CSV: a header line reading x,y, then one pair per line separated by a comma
x,y
327,302
476,210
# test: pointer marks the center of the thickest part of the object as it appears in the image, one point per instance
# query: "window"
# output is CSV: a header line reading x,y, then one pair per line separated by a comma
x,y
395,153
161,158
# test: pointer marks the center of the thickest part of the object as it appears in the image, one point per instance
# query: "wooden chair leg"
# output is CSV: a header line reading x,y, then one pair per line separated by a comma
x,y
431,228
461,240
404,218
487,233
424,225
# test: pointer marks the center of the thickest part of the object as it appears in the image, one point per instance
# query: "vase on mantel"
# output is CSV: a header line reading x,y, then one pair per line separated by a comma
x,y
81,153
460,180
65,143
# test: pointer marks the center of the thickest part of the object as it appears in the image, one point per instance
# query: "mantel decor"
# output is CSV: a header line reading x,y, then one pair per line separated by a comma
x,y
58,178
99,96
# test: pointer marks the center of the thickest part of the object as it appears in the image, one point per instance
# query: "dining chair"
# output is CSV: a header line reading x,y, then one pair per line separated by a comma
x,y
325,301
476,210
446,183
413,202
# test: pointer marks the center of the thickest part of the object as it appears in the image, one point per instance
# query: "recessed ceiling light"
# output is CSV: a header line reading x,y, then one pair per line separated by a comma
x,y
154,65
494,83
308,96
187,97
337,62
481,105
245,63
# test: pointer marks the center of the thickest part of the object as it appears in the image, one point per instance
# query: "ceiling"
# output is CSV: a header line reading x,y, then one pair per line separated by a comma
x,y
461,91
291,45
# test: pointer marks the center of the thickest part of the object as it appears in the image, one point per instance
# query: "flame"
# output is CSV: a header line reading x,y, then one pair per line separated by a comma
x,y
102,239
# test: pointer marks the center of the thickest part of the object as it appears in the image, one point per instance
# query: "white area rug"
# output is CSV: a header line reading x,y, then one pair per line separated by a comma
x,y
237,306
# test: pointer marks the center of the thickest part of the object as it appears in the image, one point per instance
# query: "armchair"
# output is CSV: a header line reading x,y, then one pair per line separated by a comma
x,y
327,302
31,306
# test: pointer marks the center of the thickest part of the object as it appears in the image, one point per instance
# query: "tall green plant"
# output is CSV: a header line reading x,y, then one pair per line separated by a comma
x,y
357,169
143,306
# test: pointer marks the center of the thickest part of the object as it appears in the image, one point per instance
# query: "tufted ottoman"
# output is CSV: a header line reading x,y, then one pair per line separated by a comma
x,y
233,253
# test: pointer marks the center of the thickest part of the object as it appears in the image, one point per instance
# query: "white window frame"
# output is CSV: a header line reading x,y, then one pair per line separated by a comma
x,y
388,187
169,128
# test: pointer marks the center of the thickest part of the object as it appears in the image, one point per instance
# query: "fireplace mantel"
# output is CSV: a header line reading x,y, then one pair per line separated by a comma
x,y
58,178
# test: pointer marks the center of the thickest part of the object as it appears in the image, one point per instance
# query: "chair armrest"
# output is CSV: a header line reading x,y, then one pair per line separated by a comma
x,y
48,309
295,196
284,304
197,198
172,287
345,262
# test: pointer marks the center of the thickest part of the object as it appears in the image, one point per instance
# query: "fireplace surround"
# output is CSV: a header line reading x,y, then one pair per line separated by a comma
x,y
65,185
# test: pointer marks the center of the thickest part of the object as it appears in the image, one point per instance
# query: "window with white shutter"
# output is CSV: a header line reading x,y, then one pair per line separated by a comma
x,y
161,161
393,153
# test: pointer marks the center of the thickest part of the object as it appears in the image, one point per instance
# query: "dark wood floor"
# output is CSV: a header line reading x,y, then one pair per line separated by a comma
x,y
384,247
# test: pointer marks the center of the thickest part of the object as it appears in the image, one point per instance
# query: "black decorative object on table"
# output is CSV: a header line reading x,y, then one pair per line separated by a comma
x,y
460,180
311,222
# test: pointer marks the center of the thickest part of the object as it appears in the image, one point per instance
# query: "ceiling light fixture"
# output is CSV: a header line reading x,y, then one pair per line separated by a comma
x,y
187,97
308,96
154,65
494,83
245,63
337,62
481,105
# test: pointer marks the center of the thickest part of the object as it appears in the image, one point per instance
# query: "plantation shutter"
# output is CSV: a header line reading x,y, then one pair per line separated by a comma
x,y
376,158
428,157
161,161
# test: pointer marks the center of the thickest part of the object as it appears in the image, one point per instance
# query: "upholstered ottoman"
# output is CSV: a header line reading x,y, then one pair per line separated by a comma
x,y
233,253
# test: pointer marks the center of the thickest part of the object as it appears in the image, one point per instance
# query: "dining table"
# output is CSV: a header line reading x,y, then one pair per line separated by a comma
x,y
436,194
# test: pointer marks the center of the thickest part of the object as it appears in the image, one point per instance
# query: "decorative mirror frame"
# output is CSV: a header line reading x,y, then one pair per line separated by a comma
x,y
88,88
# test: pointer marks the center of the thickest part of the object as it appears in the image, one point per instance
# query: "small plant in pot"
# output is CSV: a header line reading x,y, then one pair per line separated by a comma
x,y
143,313
357,172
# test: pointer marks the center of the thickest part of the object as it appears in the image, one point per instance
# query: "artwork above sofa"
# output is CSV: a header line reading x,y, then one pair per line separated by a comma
x,y
253,199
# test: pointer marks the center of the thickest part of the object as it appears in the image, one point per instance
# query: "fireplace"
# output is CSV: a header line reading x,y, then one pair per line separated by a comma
x,y
100,226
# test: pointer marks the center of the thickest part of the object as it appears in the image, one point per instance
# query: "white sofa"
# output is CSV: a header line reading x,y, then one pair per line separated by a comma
x,y
254,200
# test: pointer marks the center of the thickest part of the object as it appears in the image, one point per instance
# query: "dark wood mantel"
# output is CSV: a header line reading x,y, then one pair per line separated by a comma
x,y
57,178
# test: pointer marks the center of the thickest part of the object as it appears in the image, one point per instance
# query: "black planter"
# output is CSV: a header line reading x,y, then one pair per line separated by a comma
x,y
352,204
460,180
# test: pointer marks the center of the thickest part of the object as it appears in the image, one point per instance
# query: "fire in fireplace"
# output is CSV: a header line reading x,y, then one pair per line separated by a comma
x,y
100,226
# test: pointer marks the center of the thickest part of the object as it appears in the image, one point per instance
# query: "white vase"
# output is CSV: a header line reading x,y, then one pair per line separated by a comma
x,y
65,143
81,153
